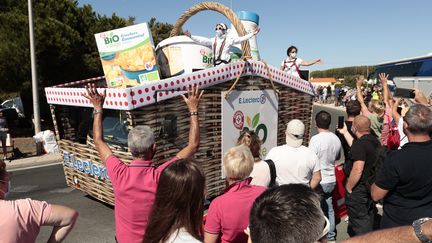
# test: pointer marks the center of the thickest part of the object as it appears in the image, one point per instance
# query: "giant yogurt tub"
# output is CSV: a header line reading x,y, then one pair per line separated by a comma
x,y
180,55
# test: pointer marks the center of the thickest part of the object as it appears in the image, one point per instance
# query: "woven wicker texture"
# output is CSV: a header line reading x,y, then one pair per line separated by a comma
x,y
292,104
214,6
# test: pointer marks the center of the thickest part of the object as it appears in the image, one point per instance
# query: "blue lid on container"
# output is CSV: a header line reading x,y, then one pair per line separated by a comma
x,y
247,15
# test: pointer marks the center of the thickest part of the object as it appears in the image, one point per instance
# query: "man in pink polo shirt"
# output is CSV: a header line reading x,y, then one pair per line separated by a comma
x,y
21,220
135,184
228,214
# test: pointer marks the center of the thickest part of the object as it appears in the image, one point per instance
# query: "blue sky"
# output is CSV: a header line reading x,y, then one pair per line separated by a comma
x,y
341,32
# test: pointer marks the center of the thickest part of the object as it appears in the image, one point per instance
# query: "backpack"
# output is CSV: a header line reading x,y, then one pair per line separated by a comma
x,y
272,168
380,156
393,139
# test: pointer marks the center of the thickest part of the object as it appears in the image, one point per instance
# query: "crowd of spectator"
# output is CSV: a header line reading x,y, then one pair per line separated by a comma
x,y
285,197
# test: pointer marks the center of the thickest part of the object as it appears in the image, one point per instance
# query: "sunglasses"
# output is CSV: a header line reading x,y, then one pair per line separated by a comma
x,y
298,136
325,230
247,133
220,28
293,52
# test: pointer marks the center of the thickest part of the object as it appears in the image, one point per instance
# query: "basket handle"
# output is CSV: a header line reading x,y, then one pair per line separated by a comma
x,y
214,6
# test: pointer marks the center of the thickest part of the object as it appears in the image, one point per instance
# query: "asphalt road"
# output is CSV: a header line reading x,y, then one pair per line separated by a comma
x,y
96,220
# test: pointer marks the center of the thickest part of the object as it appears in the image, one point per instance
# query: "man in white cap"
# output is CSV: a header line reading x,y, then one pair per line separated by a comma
x,y
221,43
294,162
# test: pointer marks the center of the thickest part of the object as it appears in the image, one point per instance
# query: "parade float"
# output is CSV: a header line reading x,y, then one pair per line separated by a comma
x,y
244,94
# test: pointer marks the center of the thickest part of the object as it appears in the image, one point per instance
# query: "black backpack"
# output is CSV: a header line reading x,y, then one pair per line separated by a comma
x,y
272,172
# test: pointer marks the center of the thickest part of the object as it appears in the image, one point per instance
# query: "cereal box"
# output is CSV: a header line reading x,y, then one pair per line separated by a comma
x,y
127,56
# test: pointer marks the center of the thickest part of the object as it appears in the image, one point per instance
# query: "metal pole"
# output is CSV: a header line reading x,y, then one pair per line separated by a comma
x,y
33,71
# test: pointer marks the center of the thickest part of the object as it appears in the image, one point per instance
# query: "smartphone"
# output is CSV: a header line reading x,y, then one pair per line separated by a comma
x,y
341,120
404,93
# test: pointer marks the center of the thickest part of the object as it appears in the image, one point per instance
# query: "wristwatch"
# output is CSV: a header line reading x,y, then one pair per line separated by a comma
x,y
419,232
95,111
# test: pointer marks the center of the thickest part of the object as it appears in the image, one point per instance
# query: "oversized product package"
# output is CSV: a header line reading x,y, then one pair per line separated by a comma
x,y
127,56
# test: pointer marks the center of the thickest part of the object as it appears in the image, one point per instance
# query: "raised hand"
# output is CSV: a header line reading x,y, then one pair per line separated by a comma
x,y
383,78
194,96
256,31
420,98
359,81
93,95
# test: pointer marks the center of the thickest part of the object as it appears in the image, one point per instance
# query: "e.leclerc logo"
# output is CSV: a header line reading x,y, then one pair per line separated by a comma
x,y
253,100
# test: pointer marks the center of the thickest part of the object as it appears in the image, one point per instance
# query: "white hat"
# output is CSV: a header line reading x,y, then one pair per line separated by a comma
x,y
294,133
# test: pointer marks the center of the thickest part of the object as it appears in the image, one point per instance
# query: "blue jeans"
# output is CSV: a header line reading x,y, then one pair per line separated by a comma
x,y
326,191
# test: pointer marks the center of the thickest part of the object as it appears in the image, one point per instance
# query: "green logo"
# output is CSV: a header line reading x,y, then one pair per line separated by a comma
x,y
110,39
260,130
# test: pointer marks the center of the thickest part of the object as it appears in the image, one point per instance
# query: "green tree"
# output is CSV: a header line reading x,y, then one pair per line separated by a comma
x,y
64,41
160,31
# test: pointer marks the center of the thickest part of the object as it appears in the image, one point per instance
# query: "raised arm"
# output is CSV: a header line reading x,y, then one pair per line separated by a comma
x,y
395,114
359,83
240,39
192,102
346,134
420,98
63,220
97,101
201,40
304,63
383,79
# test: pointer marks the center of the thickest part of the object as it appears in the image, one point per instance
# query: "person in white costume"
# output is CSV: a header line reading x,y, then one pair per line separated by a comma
x,y
292,63
221,43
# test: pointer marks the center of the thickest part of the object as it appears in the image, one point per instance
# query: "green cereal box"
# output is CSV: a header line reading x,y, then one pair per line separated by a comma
x,y
127,56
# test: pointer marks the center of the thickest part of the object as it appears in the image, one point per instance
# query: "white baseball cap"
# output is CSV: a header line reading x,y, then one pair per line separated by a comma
x,y
294,133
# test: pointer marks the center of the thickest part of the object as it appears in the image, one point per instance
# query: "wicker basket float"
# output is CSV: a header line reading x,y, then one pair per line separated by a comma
x,y
154,103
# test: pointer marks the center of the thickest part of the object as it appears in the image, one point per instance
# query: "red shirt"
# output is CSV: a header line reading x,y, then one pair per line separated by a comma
x,y
134,191
229,213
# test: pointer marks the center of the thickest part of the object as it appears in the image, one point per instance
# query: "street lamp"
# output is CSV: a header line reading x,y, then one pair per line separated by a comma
x,y
35,93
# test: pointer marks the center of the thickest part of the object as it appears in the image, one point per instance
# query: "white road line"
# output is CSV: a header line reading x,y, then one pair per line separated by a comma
x,y
35,166
62,190
23,189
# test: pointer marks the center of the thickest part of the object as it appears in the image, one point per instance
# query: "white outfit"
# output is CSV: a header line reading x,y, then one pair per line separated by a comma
x,y
181,236
230,41
324,93
289,67
260,174
403,137
326,146
294,165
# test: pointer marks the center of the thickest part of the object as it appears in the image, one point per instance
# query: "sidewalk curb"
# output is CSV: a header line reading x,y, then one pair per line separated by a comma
x,y
34,162
34,166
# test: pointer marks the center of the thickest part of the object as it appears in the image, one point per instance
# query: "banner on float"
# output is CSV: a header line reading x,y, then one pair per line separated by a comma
x,y
250,110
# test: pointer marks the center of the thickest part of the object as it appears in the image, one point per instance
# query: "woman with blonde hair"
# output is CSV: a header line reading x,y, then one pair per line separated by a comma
x,y
378,111
228,214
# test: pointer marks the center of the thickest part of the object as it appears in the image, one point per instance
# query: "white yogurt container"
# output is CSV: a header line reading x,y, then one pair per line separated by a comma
x,y
250,21
180,55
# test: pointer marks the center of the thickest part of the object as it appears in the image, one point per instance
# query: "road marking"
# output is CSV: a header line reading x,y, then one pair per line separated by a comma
x,y
35,166
22,189
62,190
